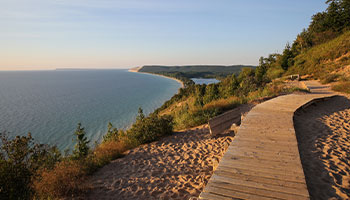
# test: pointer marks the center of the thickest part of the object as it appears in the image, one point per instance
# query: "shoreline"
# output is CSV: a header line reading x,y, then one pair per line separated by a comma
x,y
136,70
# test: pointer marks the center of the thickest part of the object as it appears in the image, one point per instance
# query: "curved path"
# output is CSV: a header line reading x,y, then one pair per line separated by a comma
x,y
263,161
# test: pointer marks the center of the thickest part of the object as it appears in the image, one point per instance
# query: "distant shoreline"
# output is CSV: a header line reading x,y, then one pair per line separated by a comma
x,y
137,70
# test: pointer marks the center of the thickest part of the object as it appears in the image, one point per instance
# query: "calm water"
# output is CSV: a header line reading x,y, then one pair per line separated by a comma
x,y
207,81
49,104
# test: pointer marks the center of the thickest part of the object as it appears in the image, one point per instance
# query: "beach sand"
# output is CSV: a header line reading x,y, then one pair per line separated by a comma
x,y
176,167
323,133
137,69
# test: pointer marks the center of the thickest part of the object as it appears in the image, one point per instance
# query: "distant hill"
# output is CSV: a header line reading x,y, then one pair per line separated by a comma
x,y
196,71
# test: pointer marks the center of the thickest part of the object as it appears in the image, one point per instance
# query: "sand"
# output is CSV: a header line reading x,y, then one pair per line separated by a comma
x,y
137,69
323,133
176,167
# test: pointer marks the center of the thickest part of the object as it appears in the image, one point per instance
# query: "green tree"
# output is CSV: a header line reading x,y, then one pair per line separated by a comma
x,y
211,93
287,57
140,115
112,133
81,149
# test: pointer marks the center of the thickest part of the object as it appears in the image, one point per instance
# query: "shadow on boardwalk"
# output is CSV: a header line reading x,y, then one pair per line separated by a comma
x,y
323,134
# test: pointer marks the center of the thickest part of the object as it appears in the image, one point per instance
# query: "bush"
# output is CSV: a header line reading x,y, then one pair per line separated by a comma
x,y
329,78
65,180
20,159
149,129
107,151
342,87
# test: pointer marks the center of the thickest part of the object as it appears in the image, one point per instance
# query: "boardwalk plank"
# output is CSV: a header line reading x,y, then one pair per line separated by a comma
x,y
259,178
263,161
264,186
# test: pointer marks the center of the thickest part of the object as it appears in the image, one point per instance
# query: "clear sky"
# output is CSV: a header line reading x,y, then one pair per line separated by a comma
x,y
48,34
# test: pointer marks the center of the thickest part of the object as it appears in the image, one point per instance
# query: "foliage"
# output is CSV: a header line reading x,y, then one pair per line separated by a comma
x,y
329,78
342,87
316,48
195,71
64,180
149,129
81,149
30,170
323,59
112,133
20,158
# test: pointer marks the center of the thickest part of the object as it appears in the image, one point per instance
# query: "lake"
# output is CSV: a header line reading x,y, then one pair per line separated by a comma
x,y
49,104
207,81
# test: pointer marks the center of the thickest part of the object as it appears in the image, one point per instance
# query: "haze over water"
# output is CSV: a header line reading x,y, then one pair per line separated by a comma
x,y
49,104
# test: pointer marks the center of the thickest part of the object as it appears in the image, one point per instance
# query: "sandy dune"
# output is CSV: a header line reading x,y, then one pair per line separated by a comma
x,y
176,167
323,132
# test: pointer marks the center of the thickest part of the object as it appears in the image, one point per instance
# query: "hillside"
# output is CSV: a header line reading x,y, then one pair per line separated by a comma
x,y
329,61
196,71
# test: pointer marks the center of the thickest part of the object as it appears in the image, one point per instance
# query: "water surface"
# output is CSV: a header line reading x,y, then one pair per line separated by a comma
x,y
49,104
206,81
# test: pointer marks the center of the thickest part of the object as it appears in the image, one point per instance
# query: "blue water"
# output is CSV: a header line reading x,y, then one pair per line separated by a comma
x,y
207,81
49,104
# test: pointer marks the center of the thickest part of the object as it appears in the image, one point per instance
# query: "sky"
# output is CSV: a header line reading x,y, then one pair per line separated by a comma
x,y
49,34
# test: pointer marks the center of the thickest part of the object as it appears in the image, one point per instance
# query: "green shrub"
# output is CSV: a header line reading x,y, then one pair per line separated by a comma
x,y
20,158
151,128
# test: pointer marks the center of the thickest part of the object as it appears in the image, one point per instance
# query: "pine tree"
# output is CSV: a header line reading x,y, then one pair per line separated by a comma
x,y
81,149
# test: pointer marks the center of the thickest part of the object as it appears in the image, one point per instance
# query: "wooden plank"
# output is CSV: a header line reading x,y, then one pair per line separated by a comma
x,y
264,186
292,171
278,164
261,156
262,151
259,178
223,122
261,146
255,191
259,172
263,161
234,194
214,196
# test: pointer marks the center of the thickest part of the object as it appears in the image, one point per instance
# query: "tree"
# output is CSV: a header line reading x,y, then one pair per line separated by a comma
x,y
140,115
211,93
81,149
287,57
112,133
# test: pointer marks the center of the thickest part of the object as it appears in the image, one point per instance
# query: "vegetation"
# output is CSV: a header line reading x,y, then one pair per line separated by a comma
x,y
20,159
195,71
29,170
185,73
342,87
35,171
320,50
196,104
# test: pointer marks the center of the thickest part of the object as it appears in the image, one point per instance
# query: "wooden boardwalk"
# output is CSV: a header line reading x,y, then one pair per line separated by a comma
x,y
263,160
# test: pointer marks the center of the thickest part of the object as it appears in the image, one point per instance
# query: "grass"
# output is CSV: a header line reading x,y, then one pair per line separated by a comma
x,y
223,104
329,78
342,87
324,58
